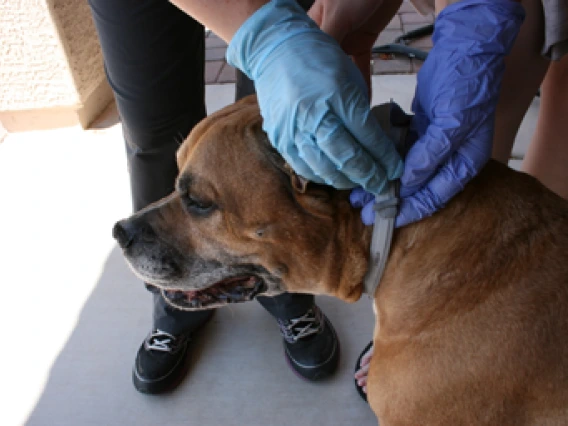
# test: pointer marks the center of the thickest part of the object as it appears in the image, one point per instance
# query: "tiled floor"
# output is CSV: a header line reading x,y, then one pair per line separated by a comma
x,y
217,71
74,315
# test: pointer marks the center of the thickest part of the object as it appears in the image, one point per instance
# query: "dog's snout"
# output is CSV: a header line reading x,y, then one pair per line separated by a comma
x,y
126,232
123,233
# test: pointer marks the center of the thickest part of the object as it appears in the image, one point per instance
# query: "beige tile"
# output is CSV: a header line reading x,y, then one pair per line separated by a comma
x,y
516,164
397,65
219,96
212,69
387,37
214,41
227,75
406,7
395,23
215,54
416,18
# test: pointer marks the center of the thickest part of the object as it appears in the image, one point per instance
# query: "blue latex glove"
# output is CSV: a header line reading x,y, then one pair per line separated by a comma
x,y
313,100
454,105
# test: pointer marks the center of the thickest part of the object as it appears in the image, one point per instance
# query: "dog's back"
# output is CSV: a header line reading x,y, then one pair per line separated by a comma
x,y
473,310
534,225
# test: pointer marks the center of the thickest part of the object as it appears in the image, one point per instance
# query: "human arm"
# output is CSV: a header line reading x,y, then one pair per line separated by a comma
x,y
312,97
223,17
356,25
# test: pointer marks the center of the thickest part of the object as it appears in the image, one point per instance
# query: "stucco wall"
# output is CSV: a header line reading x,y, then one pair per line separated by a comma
x,y
50,64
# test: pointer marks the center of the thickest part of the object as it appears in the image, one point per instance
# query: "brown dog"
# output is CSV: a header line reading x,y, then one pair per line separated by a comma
x,y
472,310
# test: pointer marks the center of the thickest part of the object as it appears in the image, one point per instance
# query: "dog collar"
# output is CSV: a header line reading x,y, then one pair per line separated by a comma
x,y
395,122
386,207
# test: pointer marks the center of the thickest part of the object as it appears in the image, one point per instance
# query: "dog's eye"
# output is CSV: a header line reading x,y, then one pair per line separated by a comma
x,y
197,206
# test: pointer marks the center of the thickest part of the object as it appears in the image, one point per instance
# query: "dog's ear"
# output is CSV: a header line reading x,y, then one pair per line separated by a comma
x,y
313,197
299,183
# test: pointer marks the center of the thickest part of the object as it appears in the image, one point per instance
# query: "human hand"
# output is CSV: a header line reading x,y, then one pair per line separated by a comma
x,y
454,105
404,138
361,199
313,100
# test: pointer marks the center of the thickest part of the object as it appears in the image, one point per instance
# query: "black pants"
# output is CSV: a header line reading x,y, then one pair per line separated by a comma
x,y
154,58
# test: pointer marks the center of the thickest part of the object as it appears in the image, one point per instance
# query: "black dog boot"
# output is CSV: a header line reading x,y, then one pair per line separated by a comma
x,y
311,345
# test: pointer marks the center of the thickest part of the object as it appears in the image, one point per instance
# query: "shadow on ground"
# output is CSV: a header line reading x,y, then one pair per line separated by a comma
x,y
238,375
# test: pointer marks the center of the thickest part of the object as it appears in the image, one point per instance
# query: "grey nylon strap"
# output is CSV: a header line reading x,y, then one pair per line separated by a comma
x,y
386,208
385,214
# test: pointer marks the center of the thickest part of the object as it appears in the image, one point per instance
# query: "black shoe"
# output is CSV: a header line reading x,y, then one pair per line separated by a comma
x,y
311,345
161,362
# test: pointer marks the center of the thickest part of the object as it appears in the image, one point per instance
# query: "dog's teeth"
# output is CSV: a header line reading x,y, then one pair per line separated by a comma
x,y
258,288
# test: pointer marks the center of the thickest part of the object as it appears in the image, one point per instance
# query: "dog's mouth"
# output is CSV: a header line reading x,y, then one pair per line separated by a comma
x,y
230,290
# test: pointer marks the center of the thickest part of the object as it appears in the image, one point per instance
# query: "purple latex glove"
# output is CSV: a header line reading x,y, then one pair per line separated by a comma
x,y
454,105
365,201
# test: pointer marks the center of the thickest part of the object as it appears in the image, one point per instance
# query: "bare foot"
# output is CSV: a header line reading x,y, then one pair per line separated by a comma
x,y
361,374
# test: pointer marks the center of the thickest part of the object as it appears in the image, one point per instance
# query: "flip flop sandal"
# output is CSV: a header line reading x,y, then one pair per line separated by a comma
x,y
357,367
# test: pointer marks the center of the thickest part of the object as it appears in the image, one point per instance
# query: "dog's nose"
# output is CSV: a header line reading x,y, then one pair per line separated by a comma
x,y
123,233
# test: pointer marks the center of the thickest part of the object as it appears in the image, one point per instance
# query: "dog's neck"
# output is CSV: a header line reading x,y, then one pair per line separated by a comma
x,y
347,262
372,241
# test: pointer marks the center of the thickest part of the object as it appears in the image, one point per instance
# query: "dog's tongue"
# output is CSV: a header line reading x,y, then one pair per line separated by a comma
x,y
225,286
232,290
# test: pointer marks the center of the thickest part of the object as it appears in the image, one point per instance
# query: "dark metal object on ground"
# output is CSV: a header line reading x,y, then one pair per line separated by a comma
x,y
400,44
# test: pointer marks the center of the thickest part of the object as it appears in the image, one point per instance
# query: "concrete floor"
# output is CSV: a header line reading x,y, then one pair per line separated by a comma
x,y
74,315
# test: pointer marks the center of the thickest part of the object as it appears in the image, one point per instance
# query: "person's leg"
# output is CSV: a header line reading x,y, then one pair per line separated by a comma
x,y
154,59
524,72
310,342
547,156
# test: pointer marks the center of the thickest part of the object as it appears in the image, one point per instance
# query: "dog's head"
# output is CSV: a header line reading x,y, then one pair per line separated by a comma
x,y
241,223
